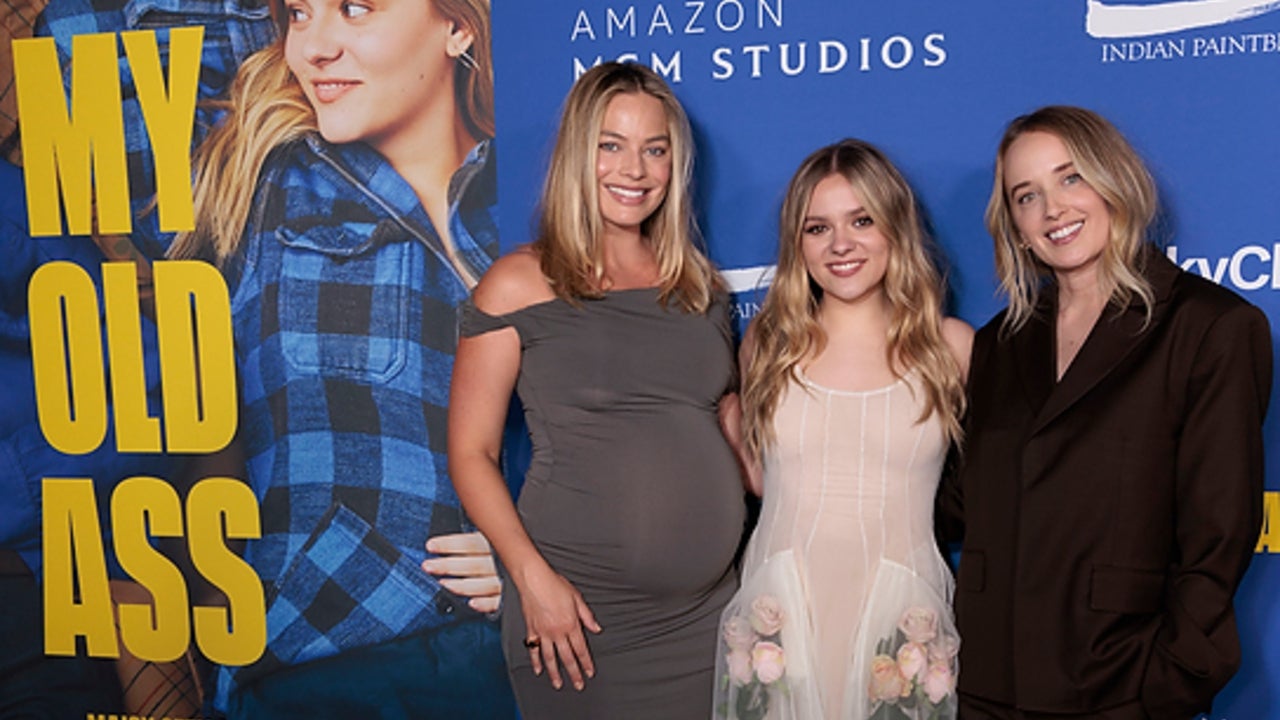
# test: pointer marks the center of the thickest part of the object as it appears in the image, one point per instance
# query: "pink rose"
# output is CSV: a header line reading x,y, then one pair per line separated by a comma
x,y
886,680
912,660
920,625
739,662
738,634
938,682
944,648
768,660
766,615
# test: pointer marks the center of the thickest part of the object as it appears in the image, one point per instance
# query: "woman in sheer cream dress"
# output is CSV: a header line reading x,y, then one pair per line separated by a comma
x,y
852,390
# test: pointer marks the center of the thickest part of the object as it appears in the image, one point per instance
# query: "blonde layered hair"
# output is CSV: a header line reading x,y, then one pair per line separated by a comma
x,y
267,109
1111,167
570,227
786,331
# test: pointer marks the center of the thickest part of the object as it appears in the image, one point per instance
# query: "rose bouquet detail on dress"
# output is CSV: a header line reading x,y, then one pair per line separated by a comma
x,y
913,673
752,643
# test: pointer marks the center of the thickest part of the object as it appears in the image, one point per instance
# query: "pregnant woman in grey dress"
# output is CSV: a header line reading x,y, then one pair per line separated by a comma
x,y
614,330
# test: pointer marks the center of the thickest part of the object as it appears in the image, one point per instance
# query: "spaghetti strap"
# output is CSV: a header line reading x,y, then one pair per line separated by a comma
x,y
473,321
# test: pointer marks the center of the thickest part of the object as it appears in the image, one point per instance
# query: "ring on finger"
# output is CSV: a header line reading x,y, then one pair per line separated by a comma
x,y
532,642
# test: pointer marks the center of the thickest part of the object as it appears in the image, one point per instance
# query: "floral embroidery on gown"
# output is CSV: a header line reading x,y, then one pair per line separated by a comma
x,y
845,605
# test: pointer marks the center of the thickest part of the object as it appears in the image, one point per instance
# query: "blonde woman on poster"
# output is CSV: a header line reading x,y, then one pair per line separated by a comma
x,y
615,331
349,195
852,394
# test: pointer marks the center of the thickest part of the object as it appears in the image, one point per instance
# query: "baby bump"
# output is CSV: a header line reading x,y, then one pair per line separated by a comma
x,y
656,509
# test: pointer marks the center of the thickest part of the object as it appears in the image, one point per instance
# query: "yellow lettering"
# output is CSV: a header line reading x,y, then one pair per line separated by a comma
x,y
160,631
235,635
1269,540
73,560
66,352
136,431
197,363
169,115
57,149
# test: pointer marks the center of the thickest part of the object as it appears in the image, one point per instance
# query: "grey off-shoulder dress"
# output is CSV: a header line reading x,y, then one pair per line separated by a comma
x,y
632,494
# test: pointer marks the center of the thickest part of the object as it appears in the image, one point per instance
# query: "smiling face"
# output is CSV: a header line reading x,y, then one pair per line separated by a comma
x,y
374,70
844,250
633,161
1057,214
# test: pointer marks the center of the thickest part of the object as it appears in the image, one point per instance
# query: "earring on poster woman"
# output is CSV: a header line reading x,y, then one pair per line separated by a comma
x,y
467,60
458,47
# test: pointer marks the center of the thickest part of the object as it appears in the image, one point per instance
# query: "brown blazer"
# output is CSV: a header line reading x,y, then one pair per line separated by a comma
x,y
1109,516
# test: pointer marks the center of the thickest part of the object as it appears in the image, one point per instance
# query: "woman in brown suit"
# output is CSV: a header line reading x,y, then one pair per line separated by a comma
x,y
1111,484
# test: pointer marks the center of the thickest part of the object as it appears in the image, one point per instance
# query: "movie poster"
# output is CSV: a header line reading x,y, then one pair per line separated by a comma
x,y
236,236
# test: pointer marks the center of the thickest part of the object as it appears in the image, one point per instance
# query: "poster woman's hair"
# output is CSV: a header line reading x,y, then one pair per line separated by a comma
x,y
1111,167
570,229
786,331
267,109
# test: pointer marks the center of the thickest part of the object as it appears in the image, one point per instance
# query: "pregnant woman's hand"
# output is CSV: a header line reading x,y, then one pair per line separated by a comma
x,y
465,567
554,615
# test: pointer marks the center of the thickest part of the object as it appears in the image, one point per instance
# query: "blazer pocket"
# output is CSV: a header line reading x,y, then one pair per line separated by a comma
x,y
1126,590
973,571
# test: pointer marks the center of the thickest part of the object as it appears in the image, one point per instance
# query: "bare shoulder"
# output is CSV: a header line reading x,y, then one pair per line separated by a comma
x,y
958,335
514,282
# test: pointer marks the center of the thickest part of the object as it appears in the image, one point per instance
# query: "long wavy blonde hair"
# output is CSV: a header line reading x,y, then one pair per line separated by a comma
x,y
267,109
570,228
786,331
1111,167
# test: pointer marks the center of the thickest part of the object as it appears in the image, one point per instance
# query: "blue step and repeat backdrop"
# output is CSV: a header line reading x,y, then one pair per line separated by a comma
x,y
1195,85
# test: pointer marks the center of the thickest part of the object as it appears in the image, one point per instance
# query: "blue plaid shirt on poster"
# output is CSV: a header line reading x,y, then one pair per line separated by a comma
x,y
233,30
344,305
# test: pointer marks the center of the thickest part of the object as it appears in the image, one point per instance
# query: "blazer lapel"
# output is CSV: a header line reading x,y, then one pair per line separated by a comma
x,y
1112,339
1033,348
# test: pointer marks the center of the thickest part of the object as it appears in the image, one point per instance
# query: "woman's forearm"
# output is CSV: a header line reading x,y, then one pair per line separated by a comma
x,y
488,503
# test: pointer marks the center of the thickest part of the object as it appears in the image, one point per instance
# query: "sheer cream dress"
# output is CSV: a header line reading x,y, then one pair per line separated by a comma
x,y
845,544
